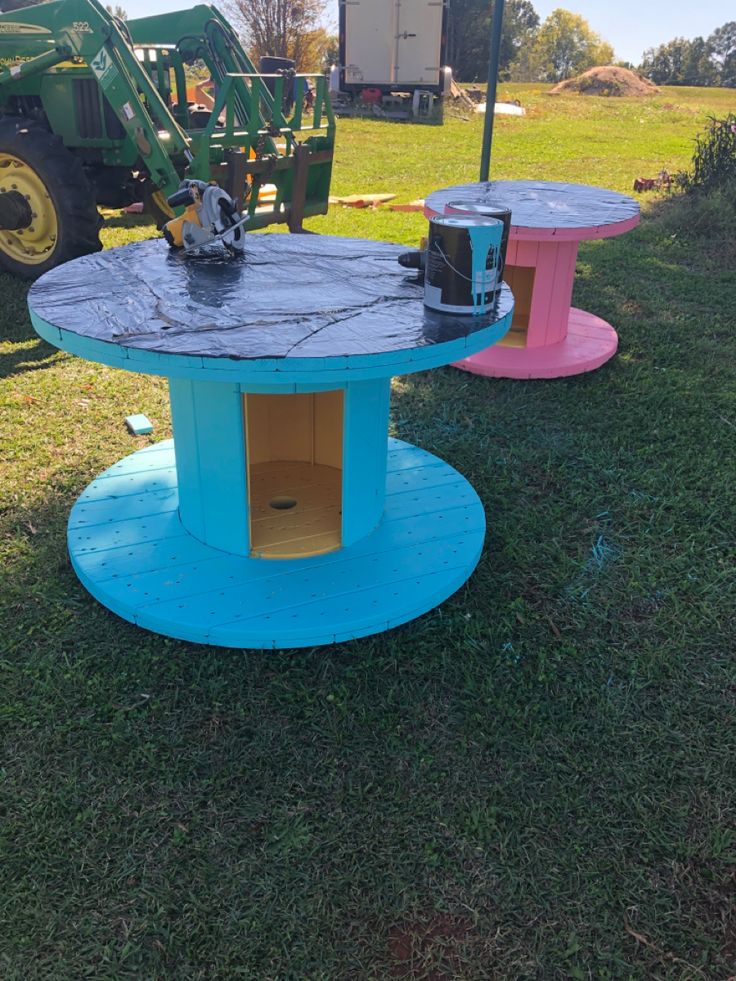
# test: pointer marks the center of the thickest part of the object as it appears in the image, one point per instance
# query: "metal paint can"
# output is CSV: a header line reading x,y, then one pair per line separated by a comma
x,y
490,210
462,273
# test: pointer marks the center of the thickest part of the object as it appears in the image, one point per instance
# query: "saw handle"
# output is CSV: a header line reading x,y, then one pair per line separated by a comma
x,y
228,206
181,197
187,193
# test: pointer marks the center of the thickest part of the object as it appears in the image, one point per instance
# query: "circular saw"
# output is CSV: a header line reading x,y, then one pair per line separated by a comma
x,y
210,217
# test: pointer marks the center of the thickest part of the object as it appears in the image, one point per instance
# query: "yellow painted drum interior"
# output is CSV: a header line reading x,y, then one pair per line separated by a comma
x,y
294,463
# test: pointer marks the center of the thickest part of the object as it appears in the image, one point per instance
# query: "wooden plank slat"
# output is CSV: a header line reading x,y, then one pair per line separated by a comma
x,y
88,514
364,456
121,484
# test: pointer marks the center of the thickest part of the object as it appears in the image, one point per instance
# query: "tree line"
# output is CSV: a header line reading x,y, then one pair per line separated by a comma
x,y
564,45
702,61
284,29
560,47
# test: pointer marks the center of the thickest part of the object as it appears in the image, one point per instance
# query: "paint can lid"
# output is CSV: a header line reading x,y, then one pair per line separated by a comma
x,y
464,221
485,209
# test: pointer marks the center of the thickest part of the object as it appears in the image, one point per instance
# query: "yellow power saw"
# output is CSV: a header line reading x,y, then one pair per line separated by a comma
x,y
210,216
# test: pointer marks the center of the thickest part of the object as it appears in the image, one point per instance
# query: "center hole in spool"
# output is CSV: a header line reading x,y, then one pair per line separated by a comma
x,y
282,503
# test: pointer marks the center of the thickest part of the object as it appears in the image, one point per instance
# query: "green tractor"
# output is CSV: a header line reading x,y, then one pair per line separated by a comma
x,y
96,111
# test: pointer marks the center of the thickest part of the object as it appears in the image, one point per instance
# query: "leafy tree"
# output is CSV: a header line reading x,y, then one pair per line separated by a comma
x,y
700,68
665,65
565,46
316,51
710,61
681,62
723,43
332,52
282,28
117,11
470,34
520,23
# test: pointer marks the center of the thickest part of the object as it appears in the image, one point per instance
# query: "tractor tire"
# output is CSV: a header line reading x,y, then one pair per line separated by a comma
x,y
65,221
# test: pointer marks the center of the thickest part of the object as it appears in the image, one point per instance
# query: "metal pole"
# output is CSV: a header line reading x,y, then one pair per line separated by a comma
x,y
496,26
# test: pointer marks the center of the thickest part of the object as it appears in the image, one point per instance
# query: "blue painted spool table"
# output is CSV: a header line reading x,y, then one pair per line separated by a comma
x,y
281,514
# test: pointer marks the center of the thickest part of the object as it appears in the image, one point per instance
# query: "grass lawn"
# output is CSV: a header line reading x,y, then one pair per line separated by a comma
x,y
535,780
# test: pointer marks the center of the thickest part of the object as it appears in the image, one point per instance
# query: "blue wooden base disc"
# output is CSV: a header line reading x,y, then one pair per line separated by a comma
x,y
132,553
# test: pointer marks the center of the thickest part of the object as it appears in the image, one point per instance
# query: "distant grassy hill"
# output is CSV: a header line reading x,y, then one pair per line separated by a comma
x,y
586,139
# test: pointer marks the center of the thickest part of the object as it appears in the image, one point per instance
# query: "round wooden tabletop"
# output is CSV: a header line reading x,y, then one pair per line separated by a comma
x,y
294,308
547,209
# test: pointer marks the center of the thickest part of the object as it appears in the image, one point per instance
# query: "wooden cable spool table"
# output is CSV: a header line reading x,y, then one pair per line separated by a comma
x,y
548,337
281,514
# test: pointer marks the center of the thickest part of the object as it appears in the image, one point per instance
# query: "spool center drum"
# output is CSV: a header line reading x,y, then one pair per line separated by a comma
x,y
464,263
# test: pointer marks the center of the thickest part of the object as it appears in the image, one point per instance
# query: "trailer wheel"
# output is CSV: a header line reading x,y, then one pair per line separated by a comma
x,y
62,219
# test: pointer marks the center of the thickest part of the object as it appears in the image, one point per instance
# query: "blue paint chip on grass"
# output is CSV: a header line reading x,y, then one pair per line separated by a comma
x,y
139,424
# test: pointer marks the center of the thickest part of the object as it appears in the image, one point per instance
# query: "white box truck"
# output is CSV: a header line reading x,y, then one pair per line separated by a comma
x,y
392,46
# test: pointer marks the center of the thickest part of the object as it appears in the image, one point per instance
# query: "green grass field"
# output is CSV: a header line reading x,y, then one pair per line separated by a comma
x,y
534,781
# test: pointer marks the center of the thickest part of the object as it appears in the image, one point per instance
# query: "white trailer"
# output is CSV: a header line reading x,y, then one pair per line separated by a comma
x,y
393,45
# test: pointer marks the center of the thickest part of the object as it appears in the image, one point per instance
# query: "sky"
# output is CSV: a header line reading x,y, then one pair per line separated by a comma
x,y
631,26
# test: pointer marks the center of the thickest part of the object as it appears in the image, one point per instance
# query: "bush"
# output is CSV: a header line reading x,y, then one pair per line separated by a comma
x,y
703,222
714,160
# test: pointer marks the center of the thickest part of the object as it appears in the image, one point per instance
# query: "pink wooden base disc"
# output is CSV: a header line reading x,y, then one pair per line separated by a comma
x,y
589,343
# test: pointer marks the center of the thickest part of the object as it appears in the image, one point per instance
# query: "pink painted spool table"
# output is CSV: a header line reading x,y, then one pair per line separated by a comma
x,y
548,337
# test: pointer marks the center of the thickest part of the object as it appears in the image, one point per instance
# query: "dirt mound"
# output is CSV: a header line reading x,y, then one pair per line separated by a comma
x,y
606,80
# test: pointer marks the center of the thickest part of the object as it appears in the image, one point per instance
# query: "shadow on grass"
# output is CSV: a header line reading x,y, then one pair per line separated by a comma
x,y
385,785
568,468
27,358
29,353
536,773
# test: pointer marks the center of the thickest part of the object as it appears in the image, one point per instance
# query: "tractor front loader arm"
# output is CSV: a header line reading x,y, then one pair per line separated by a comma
x,y
36,65
88,30
92,102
